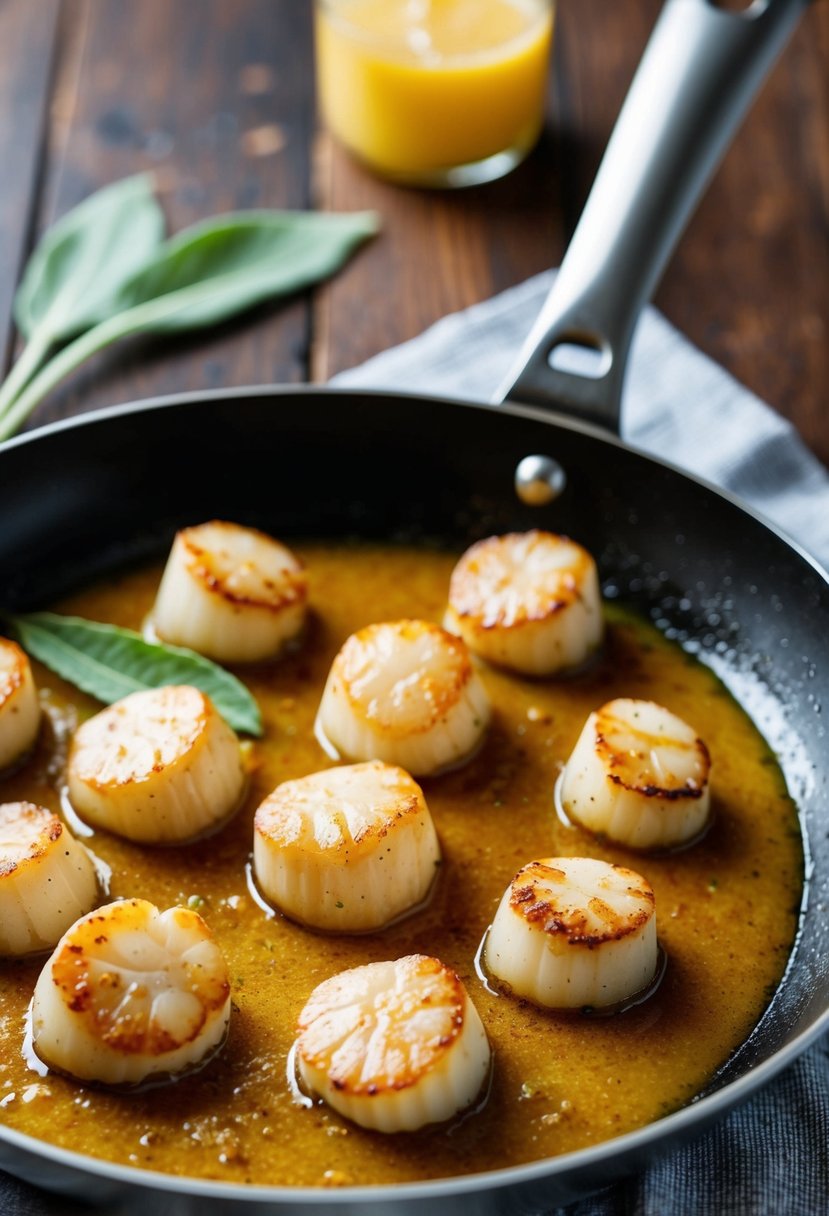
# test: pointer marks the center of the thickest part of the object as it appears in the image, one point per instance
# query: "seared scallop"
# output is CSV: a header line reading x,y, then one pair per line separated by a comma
x,y
638,775
47,879
19,705
348,849
231,593
130,994
393,1045
528,601
159,767
405,692
573,932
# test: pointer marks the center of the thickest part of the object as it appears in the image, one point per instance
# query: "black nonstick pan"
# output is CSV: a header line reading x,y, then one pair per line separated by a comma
x,y
79,499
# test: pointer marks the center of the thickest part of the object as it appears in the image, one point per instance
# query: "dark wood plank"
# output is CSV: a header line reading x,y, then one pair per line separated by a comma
x,y
597,49
438,251
28,35
750,281
441,251
215,99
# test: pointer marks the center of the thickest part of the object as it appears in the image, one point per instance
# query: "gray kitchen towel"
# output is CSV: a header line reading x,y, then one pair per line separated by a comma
x,y
770,1157
679,404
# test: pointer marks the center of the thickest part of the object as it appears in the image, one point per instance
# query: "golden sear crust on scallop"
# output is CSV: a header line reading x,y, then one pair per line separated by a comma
x,y
340,810
160,767
20,713
346,850
574,932
518,579
26,833
424,692
114,995
47,879
13,668
274,580
638,758
384,1026
527,601
534,895
141,735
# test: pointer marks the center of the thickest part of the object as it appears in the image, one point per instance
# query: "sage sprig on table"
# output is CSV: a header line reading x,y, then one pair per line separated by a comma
x,y
105,272
71,279
109,663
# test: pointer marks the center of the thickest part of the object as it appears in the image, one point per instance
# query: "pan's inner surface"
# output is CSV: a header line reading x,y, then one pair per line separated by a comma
x,y
310,464
727,911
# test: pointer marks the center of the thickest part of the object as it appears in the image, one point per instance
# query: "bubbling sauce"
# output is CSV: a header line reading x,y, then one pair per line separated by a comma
x,y
727,913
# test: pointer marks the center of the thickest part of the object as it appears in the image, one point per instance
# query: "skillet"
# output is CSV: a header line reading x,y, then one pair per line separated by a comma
x,y
80,498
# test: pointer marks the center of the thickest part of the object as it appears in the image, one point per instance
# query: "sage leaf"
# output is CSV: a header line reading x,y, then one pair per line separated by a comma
x,y
221,267
109,663
206,274
75,275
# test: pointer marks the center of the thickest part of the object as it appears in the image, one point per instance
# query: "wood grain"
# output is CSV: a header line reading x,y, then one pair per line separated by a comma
x,y
750,281
438,251
218,100
28,40
215,100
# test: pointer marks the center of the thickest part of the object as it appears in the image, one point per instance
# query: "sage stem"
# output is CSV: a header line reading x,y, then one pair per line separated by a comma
x,y
30,360
132,320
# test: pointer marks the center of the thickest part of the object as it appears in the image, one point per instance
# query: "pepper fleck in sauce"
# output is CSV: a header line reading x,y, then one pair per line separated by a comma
x,y
726,911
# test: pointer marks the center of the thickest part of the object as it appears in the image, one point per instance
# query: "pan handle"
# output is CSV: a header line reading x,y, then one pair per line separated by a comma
x,y
700,71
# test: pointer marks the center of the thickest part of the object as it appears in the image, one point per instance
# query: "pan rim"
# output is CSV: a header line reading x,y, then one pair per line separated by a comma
x,y
658,1136
548,417
713,1106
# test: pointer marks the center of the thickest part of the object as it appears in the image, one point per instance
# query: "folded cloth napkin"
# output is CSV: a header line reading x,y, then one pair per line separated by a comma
x,y
770,1157
679,405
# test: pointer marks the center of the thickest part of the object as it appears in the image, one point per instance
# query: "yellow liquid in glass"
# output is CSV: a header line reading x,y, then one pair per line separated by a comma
x,y
417,88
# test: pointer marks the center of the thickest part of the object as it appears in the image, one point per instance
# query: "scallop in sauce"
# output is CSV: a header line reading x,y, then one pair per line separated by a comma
x,y
727,913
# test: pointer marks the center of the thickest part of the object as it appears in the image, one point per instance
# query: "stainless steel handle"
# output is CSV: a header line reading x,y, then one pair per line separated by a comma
x,y
700,71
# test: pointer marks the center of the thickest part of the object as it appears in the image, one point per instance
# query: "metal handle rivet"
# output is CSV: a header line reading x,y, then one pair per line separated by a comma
x,y
539,480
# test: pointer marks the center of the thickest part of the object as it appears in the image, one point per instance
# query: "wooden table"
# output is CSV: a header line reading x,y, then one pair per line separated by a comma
x,y
217,99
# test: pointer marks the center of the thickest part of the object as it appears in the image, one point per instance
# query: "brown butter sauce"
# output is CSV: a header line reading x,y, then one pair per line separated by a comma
x,y
726,910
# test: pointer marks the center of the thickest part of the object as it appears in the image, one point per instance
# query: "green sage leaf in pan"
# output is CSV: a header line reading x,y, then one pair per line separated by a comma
x,y
109,663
